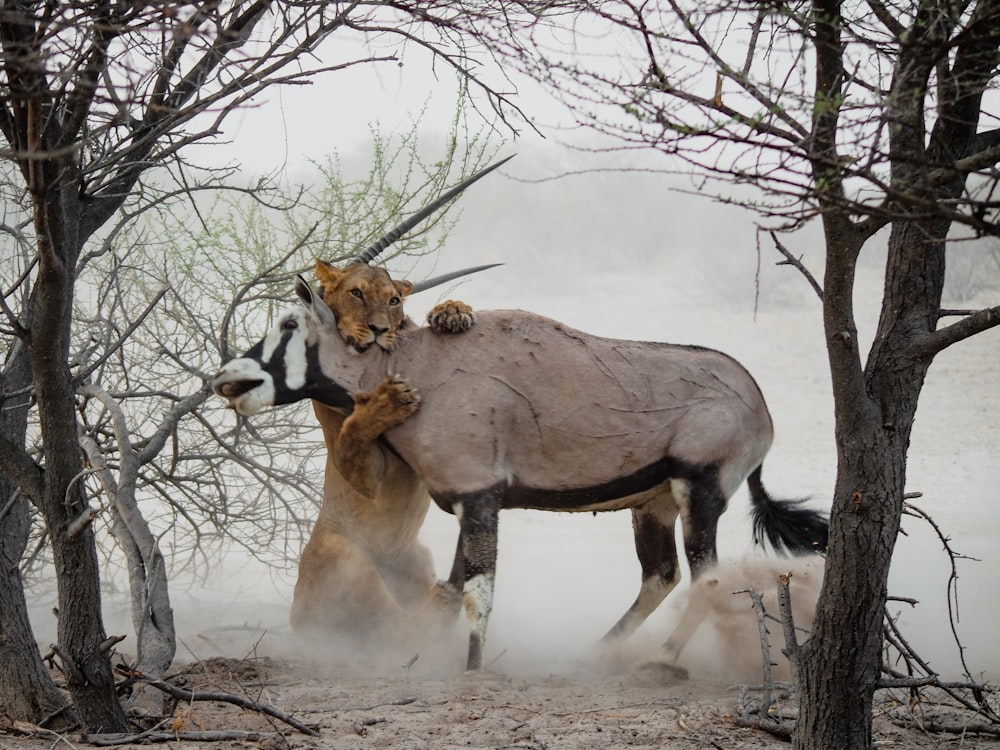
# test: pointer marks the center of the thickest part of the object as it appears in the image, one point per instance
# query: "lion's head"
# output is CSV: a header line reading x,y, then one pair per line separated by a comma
x,y
368,304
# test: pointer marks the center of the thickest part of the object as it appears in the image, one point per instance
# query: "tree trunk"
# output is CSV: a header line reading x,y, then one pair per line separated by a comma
x,y
875,409
27,693
63,504
842,656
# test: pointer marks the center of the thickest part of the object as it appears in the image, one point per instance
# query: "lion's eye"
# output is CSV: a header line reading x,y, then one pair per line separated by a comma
x,y
357,293
291,324
393,301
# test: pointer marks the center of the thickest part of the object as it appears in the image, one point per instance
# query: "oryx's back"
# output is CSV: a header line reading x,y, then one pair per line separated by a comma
x,y
559,408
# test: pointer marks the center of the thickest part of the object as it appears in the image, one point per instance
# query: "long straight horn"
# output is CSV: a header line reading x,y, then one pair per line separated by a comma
x,y
421,286
375,250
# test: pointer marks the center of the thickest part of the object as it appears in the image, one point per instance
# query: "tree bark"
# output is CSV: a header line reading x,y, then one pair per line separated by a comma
x,y
55,196
27,693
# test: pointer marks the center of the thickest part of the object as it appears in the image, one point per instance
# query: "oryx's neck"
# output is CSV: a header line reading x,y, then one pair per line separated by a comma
x,y
347,372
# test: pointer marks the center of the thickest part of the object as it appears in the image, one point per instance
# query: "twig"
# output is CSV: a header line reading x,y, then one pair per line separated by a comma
x,y
945,728
791,650
361,726
932,680
236,700
791,260
763,720
952,591
778,729
109,740
397,702
68,664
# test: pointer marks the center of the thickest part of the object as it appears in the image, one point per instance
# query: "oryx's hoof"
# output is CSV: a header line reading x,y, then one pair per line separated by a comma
x,y
451,316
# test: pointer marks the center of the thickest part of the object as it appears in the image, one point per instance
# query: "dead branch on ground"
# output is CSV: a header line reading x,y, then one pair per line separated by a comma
x,y
189,696
767,714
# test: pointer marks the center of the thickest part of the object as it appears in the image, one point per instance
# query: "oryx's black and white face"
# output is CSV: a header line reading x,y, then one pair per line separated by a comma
x,y
284,366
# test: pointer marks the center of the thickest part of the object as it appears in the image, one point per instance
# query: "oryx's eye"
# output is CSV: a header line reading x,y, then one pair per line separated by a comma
x,y
290,325
357,293
393,301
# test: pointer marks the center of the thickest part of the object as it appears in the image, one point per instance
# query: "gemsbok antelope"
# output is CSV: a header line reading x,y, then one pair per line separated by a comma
x,y
524,412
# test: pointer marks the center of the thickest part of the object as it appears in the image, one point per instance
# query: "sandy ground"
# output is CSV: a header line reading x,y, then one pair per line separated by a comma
x,y
491,709
532,695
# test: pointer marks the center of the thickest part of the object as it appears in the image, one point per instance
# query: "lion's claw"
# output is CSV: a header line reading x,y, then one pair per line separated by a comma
x,y
451,316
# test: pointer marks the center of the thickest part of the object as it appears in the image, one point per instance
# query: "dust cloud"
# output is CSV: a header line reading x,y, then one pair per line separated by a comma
x,y
619,255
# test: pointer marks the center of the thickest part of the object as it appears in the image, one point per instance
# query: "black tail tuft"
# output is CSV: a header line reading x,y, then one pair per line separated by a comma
x,y
788,527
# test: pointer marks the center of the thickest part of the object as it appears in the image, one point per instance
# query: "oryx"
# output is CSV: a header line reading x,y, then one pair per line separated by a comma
x,y
524,412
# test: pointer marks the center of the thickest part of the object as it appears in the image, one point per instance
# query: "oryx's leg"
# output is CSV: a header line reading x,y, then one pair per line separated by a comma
x,y
701,502
653,526
477,517
358,459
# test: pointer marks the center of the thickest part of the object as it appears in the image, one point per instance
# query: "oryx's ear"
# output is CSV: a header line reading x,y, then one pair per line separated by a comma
x,y
313,302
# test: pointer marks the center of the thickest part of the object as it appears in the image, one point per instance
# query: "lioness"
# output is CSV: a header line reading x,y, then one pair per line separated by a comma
x,y
363,572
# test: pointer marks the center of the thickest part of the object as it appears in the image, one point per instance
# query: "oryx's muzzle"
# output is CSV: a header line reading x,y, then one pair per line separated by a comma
x,y
246,387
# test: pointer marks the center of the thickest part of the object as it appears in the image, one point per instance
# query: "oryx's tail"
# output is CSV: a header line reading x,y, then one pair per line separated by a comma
x,y
788,526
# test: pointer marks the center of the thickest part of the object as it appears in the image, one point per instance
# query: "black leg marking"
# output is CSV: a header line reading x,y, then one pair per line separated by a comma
x,y
701,502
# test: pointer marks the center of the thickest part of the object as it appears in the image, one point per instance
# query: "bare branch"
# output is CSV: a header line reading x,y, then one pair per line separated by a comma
x,y
939,340
791,260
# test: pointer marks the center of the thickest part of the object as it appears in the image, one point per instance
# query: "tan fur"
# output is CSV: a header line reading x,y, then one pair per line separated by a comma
x,y
364,572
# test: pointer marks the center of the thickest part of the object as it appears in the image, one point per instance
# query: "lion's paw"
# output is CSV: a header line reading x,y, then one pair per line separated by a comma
x,y
396,396
451,316
389,404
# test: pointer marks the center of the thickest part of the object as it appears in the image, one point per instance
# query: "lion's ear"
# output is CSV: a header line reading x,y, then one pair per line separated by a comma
x,y
327,273
403,287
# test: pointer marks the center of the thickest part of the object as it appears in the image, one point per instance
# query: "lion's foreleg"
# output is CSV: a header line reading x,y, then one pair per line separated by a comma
x,y
356,456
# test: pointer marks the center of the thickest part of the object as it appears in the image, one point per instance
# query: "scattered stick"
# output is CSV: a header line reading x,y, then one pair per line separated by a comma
x,y
791,649
361,727
763,720
109,740
398,702
938,727
236,700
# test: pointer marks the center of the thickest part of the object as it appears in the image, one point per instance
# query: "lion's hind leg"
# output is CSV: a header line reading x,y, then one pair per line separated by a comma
x,y
339,590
